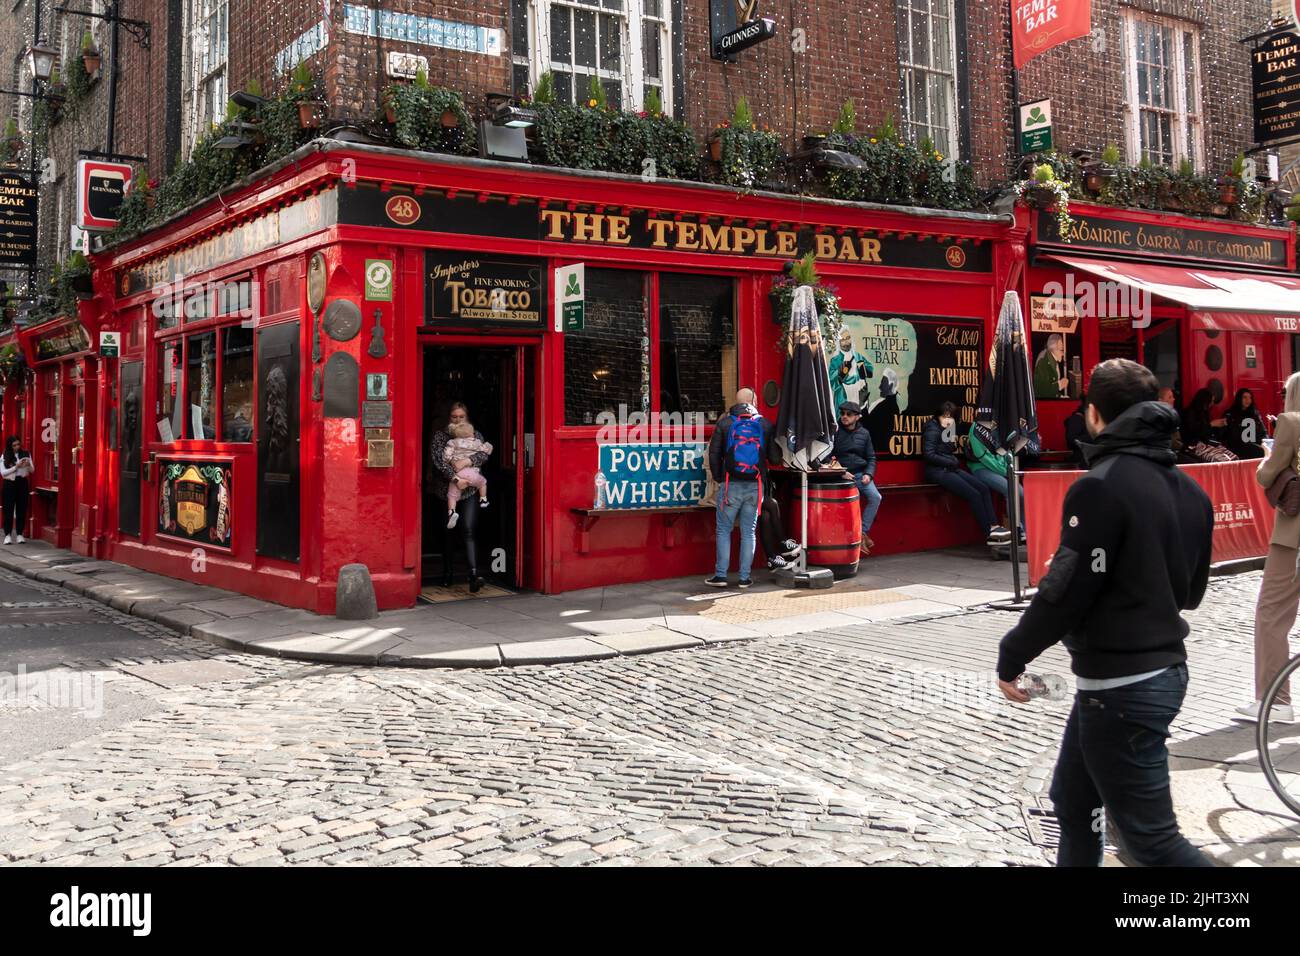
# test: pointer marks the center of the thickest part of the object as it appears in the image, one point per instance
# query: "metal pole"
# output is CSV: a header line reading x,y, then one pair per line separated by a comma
x,y
36,217
112,74
803,528
1013,506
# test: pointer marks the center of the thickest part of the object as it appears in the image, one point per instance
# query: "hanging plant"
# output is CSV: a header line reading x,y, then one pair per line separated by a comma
x,y
804,272
1045,191
90,57
421,116
746,155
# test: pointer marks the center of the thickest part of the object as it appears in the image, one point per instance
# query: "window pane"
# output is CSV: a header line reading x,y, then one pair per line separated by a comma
x,y
584,38
611,53
613,93
520,74
561,45
920,40
607,364
564,87
169,387
201,379
519,27
697,344
650,50
237,384
653,8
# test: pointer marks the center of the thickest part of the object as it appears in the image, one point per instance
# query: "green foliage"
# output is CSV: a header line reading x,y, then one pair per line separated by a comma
x,y
1111,156
640,144
887,132
847,122
545,92
804,271
749,156
1044,173
88,42
11,128
1239,166
77,86
743,116
897,172
418,108
596,94
653,106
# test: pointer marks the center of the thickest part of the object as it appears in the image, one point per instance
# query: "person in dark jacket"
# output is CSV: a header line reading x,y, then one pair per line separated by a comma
x,y
1245,431
854,450
739,498
943,468
1198,423
1135,551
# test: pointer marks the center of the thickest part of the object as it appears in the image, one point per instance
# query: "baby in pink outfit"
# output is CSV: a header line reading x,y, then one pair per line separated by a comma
x,y
463,444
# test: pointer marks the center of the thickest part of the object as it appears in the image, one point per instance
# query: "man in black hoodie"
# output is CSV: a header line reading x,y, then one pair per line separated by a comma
x,y
1135,551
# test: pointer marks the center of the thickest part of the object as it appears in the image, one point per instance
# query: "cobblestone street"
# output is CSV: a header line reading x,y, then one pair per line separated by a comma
x,y
877,744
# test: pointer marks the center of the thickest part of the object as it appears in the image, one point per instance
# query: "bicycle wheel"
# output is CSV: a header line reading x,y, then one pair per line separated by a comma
x,y
1279,745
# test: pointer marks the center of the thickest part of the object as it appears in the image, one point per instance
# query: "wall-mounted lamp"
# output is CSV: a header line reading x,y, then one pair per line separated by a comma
x,y
40,60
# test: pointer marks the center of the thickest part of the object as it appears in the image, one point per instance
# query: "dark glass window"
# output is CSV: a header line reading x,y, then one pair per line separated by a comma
x,y
607,364
170,425
697,344
237,384
201,362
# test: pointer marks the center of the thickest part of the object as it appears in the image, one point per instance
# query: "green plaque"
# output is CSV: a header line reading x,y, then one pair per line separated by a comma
x,y
574,316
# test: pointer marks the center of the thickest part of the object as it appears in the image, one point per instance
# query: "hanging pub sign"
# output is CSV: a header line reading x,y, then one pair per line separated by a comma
x,y
1275,75
733,27
194,501
917,363
473,289
631,228
17,221
101,188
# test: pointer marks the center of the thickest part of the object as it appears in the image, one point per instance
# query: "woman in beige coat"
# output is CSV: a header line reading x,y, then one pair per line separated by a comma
x,y
1279,594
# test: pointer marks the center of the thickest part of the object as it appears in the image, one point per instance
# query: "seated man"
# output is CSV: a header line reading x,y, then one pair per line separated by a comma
x,y
854,450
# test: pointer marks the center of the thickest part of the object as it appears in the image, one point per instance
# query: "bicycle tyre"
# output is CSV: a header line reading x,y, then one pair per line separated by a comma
x,y
1261,735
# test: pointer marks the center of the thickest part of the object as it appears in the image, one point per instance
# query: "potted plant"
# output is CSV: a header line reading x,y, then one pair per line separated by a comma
x,y
305,93
1097,174
1230,185
1044,191
804,272
90,57
746,155
55,92
13,139
76,274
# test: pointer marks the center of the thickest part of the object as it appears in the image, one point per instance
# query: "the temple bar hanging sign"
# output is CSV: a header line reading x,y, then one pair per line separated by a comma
x,y
734,27
1275,71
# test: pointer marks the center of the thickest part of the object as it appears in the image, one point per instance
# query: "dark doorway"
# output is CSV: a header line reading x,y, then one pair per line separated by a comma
x,y
487,381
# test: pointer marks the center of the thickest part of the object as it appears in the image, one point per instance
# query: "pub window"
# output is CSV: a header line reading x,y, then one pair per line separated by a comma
x,y
607,364
170,425
47,428
237,384
201,378
927,67
697,344
625,44
1164,90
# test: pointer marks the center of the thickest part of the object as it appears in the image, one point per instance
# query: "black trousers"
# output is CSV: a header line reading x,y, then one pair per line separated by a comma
x,y
467,528
16,493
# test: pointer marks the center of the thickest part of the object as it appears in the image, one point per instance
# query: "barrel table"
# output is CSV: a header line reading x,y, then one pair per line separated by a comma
x,y
834,532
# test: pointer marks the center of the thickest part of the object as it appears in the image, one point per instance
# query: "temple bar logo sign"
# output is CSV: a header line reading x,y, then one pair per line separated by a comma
x,y
17,221
1275,75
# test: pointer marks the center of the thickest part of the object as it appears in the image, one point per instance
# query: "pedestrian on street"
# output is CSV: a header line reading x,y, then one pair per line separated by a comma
x,y
854,450
739,452
1135,551
943,468
15,468
993,470
1279,593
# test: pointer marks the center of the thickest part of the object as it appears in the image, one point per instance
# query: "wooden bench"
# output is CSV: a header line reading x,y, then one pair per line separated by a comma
x,y
588,517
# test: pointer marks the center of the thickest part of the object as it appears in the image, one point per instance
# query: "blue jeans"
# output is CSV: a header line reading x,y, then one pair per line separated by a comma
x,y
1114,755
968,488
996,483
738,499
870,499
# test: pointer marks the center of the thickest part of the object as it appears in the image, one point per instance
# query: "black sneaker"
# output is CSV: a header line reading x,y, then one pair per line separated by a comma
x,y
716,582
745,583
777,563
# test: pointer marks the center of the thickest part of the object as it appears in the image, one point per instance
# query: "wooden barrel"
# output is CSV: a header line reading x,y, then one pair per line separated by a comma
x,y
834,533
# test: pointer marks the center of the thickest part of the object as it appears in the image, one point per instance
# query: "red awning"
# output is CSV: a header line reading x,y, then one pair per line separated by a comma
x,y
1234,301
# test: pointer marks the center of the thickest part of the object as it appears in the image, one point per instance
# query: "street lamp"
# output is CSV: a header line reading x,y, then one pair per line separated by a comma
x,y
40,60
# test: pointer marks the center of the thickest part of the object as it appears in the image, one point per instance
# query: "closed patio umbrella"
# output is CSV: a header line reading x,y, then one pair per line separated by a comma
x,y
1007,415
806,423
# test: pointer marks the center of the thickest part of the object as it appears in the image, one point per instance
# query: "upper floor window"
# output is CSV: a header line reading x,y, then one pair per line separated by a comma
x,y
206,49
927,67
1164,90
625,44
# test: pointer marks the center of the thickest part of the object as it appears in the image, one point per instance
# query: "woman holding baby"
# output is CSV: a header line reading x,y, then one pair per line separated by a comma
x,y
457,452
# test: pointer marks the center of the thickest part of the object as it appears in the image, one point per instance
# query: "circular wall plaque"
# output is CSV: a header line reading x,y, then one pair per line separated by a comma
x,y
342,320
771,393
316,282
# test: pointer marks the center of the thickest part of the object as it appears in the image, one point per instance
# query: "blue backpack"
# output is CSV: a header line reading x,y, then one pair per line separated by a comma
x,y
744,450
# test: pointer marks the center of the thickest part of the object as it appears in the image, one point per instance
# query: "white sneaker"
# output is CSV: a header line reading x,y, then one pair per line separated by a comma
x,y
482,502
8,540
452,518
21,539
1280,714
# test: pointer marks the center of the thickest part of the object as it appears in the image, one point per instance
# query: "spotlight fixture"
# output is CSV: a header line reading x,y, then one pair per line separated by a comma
x,y
249,101
504,112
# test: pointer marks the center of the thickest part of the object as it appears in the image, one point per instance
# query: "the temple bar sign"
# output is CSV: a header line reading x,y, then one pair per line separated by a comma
x,y
101,187
1275,72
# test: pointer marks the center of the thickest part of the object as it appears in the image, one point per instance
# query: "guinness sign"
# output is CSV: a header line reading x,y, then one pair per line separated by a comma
x,y
736,28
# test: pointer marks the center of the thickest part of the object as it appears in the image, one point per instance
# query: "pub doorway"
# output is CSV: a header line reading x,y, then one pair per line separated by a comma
x,y
495,384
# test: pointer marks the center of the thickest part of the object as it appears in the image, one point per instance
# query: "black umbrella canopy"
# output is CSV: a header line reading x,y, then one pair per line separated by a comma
x,y
1007,416
806,423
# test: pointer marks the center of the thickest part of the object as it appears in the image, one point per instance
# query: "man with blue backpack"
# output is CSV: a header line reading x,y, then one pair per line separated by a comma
x,y
739,453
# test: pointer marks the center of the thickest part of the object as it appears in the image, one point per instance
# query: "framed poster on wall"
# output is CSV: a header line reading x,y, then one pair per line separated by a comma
x,y
1055,348
194,501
